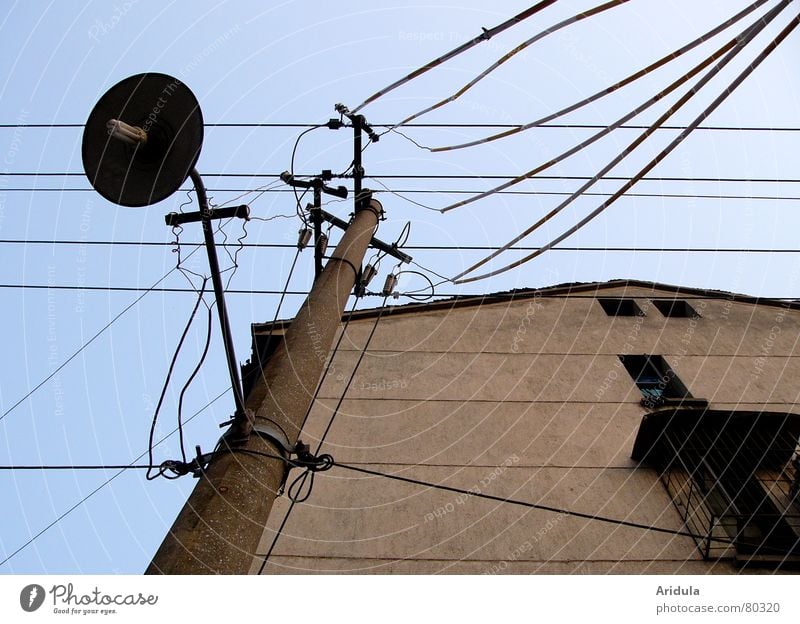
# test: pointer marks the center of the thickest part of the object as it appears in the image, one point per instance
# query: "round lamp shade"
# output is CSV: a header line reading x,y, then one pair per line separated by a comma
x,y
144,173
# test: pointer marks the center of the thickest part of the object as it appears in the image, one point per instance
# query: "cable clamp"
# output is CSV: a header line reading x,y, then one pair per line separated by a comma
x,y
300,489
306,460
272,433
297,456
178,468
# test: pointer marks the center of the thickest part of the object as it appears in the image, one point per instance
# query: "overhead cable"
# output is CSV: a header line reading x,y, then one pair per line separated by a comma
x,y
167,379
526,504
484,36
419,176
145,291
562,126
400,193
741,41
122,469
506,57
732,45
771,46
459,248
324,435
608,90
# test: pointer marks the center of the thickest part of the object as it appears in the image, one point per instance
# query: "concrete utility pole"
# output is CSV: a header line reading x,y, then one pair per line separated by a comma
x,y
220,526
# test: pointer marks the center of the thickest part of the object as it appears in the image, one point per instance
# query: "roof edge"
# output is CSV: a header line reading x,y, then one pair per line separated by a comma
x,y
549,291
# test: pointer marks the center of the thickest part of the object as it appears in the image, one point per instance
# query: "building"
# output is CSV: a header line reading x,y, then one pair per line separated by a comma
x,y
650,404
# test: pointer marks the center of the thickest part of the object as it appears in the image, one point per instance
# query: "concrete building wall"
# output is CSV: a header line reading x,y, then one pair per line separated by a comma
x,y
524,399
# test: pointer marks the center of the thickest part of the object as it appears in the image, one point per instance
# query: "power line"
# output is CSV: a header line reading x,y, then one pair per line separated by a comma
x,y
328,366
467,192
333,416
145,291
421,176
476,125
509,55
410,247
741,77
206,125
484,36
81,467
526,504
140,289
664,60
723,55
297,293
109,480
168,378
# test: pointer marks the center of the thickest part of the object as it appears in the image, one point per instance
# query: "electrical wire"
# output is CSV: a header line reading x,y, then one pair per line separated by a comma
x,y
509,55
771,46
144,291
741,42
108,481
205,125
235,257
462,176
664,60
191,378
187,273
407,199
734,44
140,289
170,370
328,367
399,193
176,249
280,303
405,234
410,125
324,435
526,504
80,467
303,293
299,198
484,36
458,248
266,188
94,337
412,294
399,242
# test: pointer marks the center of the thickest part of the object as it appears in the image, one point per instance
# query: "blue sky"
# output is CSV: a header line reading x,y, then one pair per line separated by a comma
x,y
290,62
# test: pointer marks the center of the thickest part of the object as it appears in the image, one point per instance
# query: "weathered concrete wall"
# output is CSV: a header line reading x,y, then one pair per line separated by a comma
x,y
528,400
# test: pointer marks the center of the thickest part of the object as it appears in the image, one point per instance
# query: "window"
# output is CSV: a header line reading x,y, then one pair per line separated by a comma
x,y
657,382
733,477
266,340
620,307
675,308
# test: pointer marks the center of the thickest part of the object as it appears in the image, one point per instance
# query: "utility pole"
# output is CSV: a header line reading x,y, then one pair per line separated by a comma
x,y
221,524
315,209
140,143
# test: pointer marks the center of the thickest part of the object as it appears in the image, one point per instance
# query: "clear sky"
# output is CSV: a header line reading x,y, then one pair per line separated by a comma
x,y
290,62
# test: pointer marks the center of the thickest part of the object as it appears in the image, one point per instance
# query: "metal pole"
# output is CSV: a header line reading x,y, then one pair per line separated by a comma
x,y
219,293
358,168
220,526
316,217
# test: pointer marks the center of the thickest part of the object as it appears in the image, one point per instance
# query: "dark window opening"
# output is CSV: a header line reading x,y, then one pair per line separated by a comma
x,y
655,379
734,477
264,345
675,308
620,307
